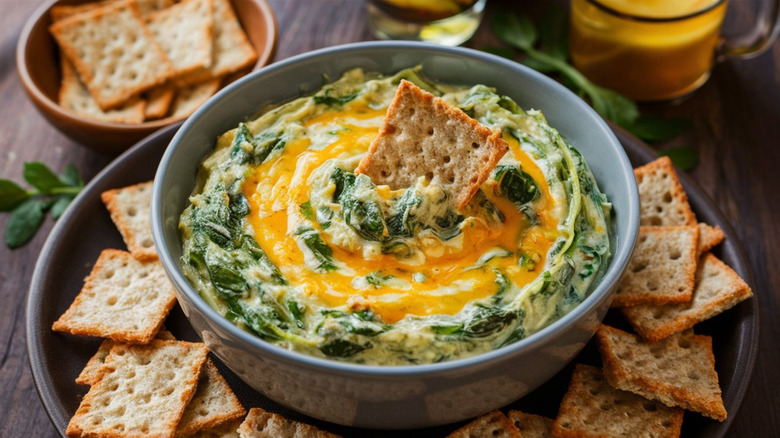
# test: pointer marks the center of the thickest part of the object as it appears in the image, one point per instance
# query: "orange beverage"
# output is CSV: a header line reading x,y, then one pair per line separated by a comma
x,y
649,50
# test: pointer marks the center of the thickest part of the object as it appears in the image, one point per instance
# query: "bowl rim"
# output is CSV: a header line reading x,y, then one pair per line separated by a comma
x,y
597,295
264,56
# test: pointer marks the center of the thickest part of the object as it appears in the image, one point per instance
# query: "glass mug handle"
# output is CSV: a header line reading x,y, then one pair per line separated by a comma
x,y
756,41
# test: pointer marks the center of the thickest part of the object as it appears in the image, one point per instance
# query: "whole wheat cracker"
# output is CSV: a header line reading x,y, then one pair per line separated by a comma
x,y
592,408
113,51
718,288
662,268
709,237
262,424
184,31
677,371
530,425
123,299
130,209
662,199
492,424
231,50
191,97
422,135
213,404
142,391
158,101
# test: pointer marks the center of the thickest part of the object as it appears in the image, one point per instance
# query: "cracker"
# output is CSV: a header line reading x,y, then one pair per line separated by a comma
x,y
593,408
144,7
422,135
113,51
124,299
191,97
213,404
262,424
492,424
230,51
530,425
662,268
158,101
225,430
709,237
662,200
677,371
184,31
130,209
143,390
718,288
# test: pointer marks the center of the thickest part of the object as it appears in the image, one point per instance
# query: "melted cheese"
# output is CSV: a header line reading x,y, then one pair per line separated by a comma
x,y
277,188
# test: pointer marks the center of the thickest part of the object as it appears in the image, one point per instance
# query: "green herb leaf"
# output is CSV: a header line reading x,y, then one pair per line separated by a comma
x,y
655,128
554,33
11,195
70,177
614,106
327,99
517,31
504,52
307,211
342,348
24,222
684,157
538,65
62,202
41,177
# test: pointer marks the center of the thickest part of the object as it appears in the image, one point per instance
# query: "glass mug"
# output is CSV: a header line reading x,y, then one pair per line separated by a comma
x,y
657,50
447,22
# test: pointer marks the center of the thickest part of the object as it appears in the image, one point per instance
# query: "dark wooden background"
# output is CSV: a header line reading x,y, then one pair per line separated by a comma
x,y
736,130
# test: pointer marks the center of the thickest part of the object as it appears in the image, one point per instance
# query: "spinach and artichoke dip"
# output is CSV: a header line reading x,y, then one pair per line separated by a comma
x,y
288,243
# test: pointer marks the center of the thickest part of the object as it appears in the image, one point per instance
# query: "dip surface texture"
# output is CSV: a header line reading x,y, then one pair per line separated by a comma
x,y
288,243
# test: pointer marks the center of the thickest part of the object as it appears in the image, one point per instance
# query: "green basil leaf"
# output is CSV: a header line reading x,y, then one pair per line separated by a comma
x,y
517,31
655,128
11,195
616,107
684,157
70,177
59,206
554,33
41,177
538,65
24,222
504,52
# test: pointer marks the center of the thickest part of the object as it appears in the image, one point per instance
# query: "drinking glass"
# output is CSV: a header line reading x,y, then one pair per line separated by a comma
x,y
447,22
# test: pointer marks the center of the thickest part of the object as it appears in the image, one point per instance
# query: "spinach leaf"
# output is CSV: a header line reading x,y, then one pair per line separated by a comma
x,y
327,99
260,256
413,75
376,279
359,323
296,311
655,128
321,251
684,157
306,210
363,216
516,185
342,348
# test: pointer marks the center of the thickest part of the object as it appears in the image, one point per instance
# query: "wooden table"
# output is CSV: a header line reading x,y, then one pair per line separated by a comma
x,y
736,129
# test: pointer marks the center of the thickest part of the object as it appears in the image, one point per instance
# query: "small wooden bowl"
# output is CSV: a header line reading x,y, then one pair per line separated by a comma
x,y
37,61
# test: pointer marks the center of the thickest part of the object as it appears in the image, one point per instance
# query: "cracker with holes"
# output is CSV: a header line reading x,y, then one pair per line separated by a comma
x,y
709,237
123,299
677,371
593,408
530,425
213,404
261,424
191,97
422,135
662,199
158,101
113,51
661,269
130,209
717,289
143,390
492,424
184,33
225,430
230,51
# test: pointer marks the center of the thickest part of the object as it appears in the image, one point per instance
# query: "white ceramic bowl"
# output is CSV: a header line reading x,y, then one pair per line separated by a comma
x,y
405,396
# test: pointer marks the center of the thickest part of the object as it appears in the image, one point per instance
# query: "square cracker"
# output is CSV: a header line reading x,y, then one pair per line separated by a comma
x,y
709,237
530,425
143,390
422,135
123,299
262,424
130,209
191,97
662,199
231,50
184,31
224,430
144,7
677,371
158,101
592,408
492,424
661,269
718,288
213,404
113,51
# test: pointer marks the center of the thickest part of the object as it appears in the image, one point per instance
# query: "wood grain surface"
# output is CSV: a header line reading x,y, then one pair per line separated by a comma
x,y
736,129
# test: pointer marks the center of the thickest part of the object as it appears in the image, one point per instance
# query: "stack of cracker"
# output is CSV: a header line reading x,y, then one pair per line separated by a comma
x,y
129,61
143,382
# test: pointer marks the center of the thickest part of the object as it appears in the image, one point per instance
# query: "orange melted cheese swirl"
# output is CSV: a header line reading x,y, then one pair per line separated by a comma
x,y
279,192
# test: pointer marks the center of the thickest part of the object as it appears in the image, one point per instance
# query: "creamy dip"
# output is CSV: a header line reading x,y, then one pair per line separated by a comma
x,y
288,243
